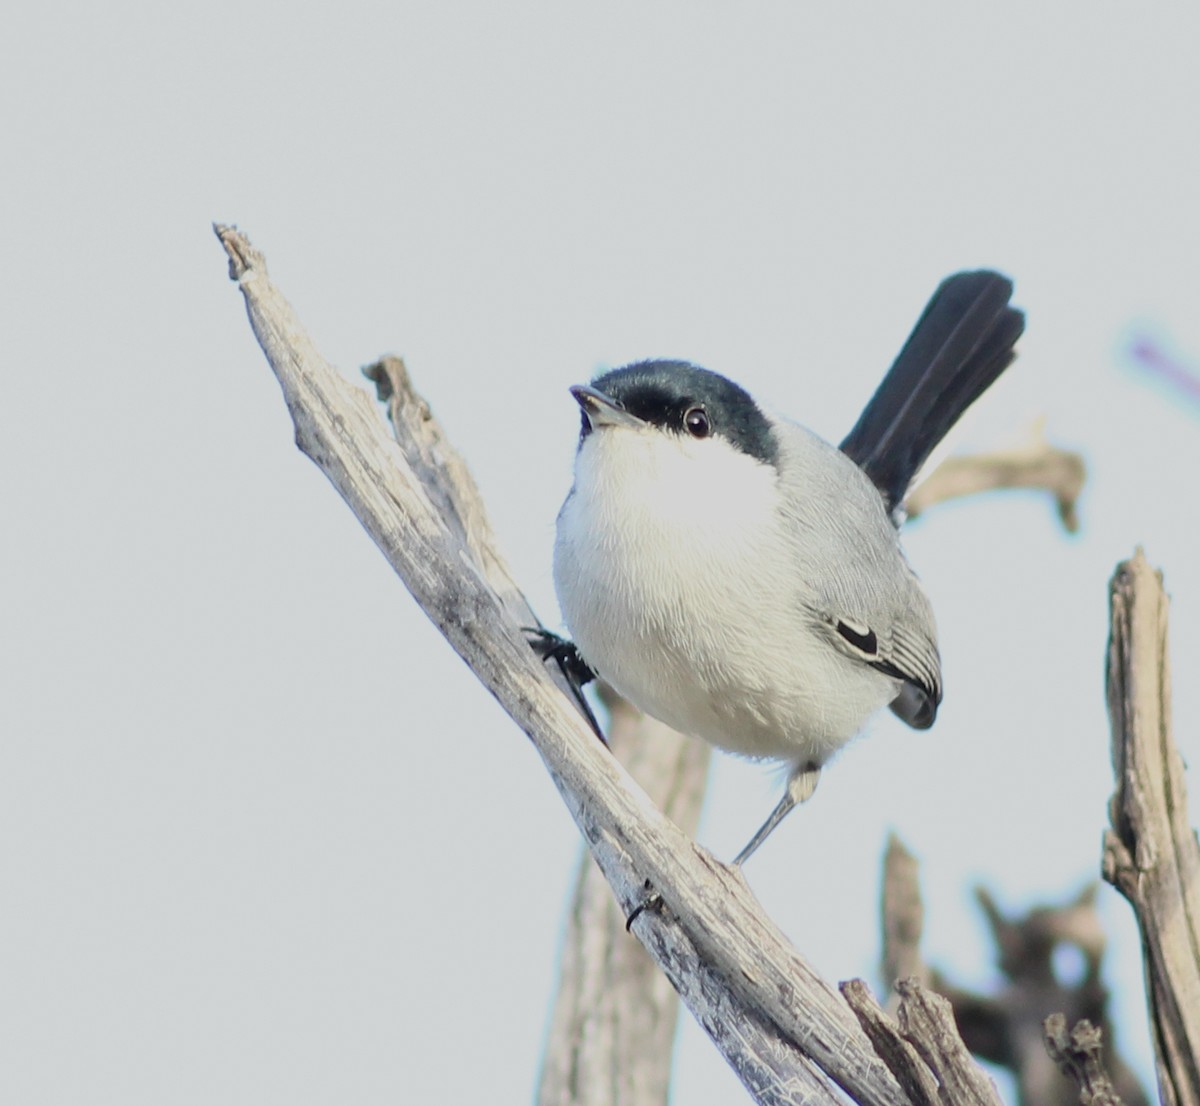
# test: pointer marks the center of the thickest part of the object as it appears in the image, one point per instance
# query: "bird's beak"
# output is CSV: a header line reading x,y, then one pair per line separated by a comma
x,y
602,411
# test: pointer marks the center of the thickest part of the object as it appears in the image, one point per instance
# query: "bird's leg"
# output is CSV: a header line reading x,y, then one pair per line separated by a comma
x,y
549,646
800,786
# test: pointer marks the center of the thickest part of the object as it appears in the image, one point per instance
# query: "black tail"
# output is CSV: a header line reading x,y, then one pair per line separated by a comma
x,y
960,345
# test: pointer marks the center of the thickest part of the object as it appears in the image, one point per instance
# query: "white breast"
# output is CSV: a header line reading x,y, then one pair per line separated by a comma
x,y
677,585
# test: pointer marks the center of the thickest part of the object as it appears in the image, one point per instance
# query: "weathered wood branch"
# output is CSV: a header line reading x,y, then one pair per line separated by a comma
x,y
1039,466
1151,853
782,1027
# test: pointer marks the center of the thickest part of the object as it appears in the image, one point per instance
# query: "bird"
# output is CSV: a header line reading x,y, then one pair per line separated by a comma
x,y
741,579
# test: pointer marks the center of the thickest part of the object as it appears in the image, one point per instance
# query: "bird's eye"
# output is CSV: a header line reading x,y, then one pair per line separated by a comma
x,y
696,421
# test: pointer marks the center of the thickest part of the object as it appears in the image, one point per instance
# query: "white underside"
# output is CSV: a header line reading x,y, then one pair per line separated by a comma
x,y
682,593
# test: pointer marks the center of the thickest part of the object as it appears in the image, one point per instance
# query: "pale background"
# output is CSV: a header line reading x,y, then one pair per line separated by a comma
x,y
263,839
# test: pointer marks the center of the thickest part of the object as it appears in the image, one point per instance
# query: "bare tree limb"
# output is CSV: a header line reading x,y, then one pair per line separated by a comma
x,y
775,1020
1151,854
444,475
1038,466
1007,1028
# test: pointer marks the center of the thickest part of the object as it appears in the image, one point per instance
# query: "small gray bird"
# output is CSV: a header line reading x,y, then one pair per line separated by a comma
x,y
740,579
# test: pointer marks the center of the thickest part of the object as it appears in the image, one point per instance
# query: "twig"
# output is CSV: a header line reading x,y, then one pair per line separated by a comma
x,y
1038,467
1079,1056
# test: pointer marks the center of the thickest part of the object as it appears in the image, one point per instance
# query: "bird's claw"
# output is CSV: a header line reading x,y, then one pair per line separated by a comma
x,y
652,900
550,646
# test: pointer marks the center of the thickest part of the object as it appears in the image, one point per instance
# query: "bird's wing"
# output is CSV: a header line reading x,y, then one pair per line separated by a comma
x,y
904,650
849,577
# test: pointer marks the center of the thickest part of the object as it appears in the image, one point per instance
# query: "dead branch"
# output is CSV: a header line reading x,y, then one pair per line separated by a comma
x,y
1039,466
783,1028
1151,853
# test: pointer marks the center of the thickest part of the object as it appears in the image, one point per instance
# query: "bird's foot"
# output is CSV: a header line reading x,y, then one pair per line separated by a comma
x,y
550,646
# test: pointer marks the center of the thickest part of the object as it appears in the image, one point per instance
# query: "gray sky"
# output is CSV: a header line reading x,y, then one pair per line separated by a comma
x,y
262,837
